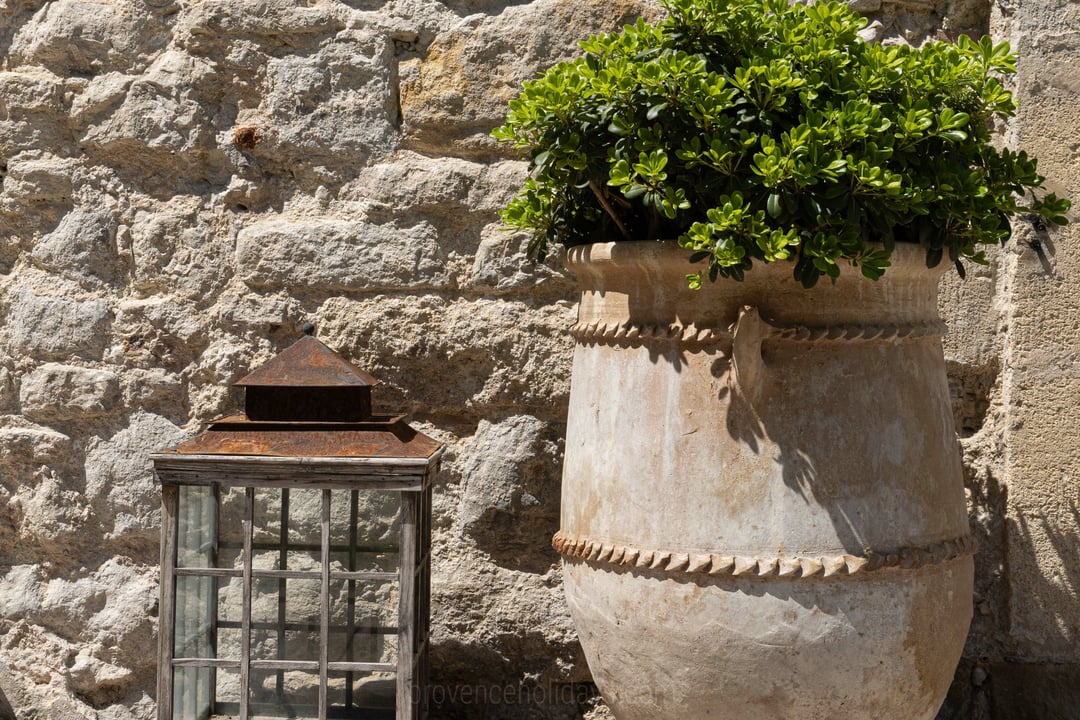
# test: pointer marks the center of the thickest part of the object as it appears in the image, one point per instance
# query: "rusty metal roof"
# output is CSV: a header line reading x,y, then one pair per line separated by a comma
x,y
307,363
309,402
386,436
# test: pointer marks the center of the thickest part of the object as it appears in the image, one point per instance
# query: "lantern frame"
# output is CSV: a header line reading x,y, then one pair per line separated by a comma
x,y
300,441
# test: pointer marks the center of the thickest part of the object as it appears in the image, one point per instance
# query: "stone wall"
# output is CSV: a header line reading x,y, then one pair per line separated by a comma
x,y
1014,334
184,183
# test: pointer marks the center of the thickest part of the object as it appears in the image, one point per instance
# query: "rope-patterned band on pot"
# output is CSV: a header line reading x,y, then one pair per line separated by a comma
x,y
628,333
771,566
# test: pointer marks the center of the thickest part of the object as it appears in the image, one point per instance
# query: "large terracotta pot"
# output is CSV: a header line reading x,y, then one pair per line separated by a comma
x,y
763,512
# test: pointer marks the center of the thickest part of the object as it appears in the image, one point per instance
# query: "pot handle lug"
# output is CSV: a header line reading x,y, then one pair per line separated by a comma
x,y
749,332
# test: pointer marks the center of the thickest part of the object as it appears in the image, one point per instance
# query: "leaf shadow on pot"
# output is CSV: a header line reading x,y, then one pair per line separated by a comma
x,y
766,419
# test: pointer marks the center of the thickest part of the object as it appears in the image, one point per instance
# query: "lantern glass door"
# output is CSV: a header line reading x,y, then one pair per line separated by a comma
x,y
287,602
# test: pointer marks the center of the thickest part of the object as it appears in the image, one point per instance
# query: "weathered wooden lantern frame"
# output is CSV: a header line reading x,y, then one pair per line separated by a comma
x,y
307,424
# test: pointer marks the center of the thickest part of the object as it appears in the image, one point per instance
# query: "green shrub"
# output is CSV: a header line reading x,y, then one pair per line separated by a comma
x,y
758,130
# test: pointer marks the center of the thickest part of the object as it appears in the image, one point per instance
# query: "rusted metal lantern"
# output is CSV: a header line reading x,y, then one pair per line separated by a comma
x,y
294,553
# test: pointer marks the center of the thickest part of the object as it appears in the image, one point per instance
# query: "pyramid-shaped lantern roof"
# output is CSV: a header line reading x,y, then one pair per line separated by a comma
x,y
308,382
307,363
306,402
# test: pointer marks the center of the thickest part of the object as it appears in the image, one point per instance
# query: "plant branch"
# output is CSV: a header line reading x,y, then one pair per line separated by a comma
x,y
608,209
654,223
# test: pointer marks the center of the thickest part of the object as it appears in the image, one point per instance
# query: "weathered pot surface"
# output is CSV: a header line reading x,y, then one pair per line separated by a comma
x,y
763,512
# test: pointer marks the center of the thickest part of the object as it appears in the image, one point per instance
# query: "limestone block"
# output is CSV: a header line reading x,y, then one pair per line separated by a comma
x,y
106,605
35,180
159,330
412,182
452,98
152,115
338,255
65,392
123,622
25,650
91,629
20,591
264,312
82,246
96,98
8,394
498,185
57,327
89,36
32,91
207,27
119,476
486,613
510,488
97,680
1040,377
25,446
31,111
500,263
53,515
224,361
337,100
33,654
156,390
972,308
178,252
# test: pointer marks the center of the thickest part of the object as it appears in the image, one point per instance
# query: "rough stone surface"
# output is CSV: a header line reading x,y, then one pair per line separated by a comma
x,y
338,255
1014,385
1040,382
184,184
65,392
56,327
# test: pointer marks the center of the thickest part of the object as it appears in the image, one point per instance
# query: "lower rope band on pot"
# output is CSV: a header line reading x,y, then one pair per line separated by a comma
x,y
776,566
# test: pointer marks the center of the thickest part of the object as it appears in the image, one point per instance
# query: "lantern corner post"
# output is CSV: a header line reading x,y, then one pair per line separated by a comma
x,y
167,598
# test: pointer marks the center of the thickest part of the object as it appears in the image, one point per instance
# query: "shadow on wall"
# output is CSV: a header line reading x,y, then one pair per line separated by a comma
x,y
509,680
6,713
1053,597
998,687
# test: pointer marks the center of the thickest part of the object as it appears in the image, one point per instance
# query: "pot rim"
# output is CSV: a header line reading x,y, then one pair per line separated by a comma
x,y
906,258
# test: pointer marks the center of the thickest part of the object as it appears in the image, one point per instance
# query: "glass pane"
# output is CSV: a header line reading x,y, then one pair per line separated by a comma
x,y
203,541
363,621
361,695
289,693
191,693
288,529
230,528
285,619
195,611
231,515
229,612
208,617
196,521
227,701
364,530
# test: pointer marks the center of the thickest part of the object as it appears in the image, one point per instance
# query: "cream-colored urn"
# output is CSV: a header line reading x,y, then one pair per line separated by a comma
x,y
763,512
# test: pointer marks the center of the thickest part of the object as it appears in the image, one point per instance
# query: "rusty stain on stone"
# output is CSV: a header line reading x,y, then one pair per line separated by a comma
x,y
246,136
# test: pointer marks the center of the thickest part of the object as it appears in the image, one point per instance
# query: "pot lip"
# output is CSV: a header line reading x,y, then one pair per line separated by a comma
x,y
906,258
